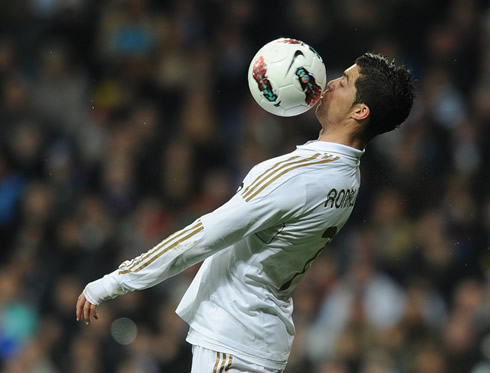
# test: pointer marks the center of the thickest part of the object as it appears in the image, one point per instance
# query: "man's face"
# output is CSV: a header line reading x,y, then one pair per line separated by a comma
x,y
336,102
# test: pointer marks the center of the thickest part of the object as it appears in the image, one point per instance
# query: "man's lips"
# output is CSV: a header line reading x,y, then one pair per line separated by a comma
x,y
322,97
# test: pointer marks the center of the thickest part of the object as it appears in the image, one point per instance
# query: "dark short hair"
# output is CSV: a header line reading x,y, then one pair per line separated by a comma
x,y
387,89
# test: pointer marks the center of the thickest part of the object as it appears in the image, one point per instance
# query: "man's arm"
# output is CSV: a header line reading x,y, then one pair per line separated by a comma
x,y
212,232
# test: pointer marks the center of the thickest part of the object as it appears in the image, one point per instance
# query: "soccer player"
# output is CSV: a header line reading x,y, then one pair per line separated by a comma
x,y
258,245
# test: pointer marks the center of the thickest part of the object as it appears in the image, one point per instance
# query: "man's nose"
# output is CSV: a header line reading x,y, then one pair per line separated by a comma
x,y
331,85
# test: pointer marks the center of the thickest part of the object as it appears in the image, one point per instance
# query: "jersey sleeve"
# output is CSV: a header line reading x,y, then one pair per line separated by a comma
x,y
209,234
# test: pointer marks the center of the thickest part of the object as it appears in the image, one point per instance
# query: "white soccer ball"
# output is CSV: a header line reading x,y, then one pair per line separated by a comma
x,y
287,77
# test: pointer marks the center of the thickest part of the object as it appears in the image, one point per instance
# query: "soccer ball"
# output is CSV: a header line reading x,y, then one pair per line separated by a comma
x,y
287,77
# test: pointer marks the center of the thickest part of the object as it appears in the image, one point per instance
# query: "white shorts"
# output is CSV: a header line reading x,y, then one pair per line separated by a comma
x,y
208,361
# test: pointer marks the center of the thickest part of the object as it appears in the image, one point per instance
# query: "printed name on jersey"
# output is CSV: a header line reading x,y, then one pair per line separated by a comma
x,y
281,168
340,199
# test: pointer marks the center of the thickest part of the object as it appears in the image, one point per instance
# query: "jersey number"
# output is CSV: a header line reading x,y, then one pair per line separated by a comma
x,y
329,234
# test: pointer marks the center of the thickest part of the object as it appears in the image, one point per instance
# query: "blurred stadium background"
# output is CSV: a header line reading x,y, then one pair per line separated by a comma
x,y
121,121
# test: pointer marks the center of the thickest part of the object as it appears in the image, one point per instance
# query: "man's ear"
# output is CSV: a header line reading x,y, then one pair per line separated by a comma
x,y
360,112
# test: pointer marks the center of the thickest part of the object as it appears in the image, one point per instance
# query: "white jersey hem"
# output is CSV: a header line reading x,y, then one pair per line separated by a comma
x,y
198,339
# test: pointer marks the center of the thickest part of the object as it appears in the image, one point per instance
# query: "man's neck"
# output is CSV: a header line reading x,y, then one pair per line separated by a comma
x,y
342,136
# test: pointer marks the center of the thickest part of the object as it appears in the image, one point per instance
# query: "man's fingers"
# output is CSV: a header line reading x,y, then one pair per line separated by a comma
x,y
85,309
86,312
79,308
93,309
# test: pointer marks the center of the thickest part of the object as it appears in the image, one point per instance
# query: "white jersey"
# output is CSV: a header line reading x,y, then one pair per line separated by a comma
x,y
256,247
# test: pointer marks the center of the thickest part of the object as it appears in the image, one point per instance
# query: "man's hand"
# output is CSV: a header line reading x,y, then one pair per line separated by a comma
x,y
85,310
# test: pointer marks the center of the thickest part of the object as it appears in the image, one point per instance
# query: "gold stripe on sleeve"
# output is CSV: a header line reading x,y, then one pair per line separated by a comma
x,y
196,228
217,362
257,180
134,262
304,163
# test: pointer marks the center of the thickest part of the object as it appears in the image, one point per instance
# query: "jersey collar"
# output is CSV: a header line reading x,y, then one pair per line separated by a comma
x,y
332,147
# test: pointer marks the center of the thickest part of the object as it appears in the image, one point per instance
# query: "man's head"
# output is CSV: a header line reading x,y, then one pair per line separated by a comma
x,y
387,90
375,93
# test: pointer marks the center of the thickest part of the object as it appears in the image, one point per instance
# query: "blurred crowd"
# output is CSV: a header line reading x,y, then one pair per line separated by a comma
x,y
123,120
